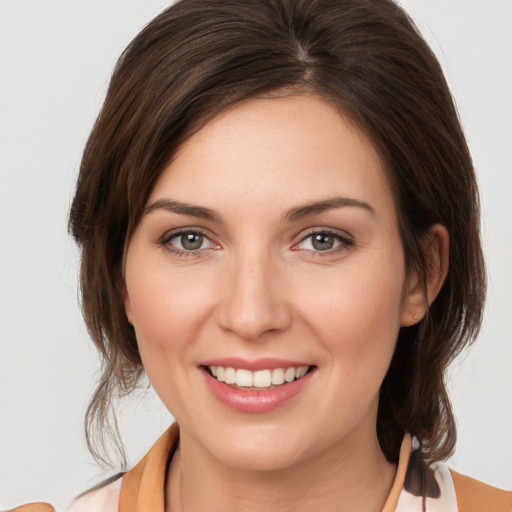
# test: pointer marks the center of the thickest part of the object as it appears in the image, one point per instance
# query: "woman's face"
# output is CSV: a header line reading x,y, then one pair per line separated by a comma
x,y
269,246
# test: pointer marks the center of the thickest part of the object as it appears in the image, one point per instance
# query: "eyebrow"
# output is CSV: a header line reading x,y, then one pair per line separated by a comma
x,y
184,209
317,207
294,214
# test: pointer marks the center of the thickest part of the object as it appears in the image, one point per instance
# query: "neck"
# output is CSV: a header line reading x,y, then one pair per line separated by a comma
x,y
351,476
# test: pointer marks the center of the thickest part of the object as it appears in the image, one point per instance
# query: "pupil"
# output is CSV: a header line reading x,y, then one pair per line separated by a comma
x,y
322,242
191,241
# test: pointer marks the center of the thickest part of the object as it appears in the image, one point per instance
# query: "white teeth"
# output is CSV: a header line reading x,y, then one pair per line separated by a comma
x,y
277,376
262,379
258,379
230,376
244,378
300,372
289,374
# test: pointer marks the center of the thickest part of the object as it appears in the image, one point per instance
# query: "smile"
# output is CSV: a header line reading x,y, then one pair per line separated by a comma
x,y
260,379
257,386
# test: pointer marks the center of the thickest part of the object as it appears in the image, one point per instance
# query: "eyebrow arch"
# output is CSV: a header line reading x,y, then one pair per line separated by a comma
x,y
316,207
184,209
293,214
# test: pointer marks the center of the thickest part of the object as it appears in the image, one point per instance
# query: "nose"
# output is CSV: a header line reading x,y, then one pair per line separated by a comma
x,y
254,298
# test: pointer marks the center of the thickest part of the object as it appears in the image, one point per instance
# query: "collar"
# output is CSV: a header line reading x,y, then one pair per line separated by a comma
x,y
143,486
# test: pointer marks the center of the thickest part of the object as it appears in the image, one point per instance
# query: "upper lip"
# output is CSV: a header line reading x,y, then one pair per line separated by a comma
x,y
266,363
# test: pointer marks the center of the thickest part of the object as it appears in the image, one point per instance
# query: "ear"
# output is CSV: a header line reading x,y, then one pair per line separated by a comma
x,y
127,303
435,252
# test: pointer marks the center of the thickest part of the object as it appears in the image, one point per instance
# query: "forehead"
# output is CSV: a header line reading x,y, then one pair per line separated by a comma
x,y
290,149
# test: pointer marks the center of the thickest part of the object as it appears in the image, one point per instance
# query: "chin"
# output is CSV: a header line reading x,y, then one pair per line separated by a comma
x,y
257,448
260,458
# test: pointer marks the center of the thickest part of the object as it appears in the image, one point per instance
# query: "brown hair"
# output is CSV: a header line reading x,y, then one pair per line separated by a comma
x,y
199,57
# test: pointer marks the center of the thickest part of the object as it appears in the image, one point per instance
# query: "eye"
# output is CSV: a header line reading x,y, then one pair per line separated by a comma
x,y
189,241
324,241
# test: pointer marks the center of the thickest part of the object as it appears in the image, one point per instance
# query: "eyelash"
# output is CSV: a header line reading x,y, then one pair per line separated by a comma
x,y
344,242
165,242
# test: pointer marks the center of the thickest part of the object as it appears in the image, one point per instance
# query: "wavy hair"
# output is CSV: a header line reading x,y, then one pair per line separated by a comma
x,y
199,57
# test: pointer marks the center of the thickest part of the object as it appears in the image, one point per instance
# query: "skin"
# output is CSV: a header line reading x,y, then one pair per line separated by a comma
x,y
258,287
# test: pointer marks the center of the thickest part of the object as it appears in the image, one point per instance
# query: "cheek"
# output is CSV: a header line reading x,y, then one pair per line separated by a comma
x,y
173,313
167,310
357,313
168,313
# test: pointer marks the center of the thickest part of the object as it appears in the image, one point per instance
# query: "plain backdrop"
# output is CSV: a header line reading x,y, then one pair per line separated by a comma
x,y
55,61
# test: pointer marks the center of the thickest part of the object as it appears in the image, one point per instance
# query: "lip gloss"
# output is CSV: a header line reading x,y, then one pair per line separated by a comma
x,y
251,400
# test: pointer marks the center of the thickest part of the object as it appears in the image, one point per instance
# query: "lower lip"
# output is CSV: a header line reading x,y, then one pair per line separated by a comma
x,y
249,400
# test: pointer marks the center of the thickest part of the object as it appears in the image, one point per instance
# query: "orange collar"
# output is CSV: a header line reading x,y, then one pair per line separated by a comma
x,y
143,487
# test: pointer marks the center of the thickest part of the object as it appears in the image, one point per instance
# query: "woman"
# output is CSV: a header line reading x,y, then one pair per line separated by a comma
x,y
278,219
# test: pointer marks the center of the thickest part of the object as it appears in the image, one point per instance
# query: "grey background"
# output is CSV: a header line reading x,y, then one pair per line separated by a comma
x,y
55,60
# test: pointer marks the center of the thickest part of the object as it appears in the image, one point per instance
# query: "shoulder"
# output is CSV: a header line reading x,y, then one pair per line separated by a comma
x,y
102,498
33,507
476,496
438,487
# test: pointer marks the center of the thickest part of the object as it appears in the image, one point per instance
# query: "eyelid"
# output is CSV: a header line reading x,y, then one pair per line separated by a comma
x,y
345,239
165,240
